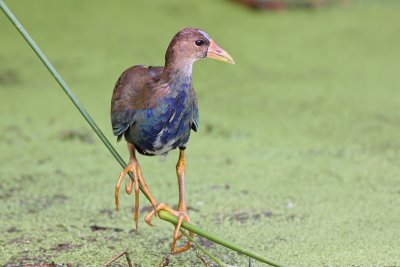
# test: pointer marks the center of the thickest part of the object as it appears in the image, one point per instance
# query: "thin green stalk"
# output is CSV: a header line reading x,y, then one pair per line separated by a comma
x,y
214,259
61,82
163,214
166,216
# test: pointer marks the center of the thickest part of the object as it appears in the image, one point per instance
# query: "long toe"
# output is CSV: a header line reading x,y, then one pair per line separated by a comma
x,y
182,217
154,212
118,185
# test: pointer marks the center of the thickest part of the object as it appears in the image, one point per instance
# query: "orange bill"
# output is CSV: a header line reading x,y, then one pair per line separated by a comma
x,y
216,52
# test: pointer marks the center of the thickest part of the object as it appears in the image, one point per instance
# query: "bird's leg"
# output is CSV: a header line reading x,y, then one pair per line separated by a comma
x,y
134,168
182,209
181,213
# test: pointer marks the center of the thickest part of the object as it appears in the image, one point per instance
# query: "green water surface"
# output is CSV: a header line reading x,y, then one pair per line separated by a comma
x,y
297,156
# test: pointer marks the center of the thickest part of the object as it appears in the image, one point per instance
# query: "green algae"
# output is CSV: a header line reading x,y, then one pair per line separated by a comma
x,y
296,157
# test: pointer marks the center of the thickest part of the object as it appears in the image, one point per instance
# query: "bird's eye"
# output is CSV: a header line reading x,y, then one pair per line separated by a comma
x,y
199,42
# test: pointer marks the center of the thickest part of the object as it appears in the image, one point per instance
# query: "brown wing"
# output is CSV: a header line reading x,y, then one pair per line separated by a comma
x,y
134,90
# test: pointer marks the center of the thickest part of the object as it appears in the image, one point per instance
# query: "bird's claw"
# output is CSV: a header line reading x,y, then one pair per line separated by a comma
x,y
134,181
152,213
182,216
128,188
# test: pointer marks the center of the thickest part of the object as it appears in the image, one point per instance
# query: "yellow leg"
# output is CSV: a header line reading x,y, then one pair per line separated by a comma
x,y
181,213
134,168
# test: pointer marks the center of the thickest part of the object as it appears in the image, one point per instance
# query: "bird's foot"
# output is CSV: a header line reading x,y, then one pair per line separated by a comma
x,y
134,182
182,216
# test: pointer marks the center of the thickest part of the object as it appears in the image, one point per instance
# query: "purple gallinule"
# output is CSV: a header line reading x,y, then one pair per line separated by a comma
x,y
155,108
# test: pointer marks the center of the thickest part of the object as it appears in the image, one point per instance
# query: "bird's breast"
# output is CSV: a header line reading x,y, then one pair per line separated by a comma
x,y
167,125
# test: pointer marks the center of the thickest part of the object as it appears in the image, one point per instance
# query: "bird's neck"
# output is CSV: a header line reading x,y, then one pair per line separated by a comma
x,y
179,75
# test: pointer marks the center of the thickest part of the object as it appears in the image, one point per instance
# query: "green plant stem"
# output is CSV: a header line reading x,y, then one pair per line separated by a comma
x,y
63,85
60,81
214,259
164,215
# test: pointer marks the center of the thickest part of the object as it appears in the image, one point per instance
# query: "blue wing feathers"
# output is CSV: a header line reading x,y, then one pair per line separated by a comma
x,y
195,118
122,121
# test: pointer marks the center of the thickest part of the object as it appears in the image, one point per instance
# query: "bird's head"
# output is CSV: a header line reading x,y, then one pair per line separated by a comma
x,y
191,44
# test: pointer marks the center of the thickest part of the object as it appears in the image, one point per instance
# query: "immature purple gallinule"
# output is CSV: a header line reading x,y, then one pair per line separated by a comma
x,y
155,108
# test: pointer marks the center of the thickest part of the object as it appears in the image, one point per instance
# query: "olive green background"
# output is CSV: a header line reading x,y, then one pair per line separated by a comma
x,y
297,156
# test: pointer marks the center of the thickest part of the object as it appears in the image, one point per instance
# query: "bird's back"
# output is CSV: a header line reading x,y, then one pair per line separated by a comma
x,y
136,89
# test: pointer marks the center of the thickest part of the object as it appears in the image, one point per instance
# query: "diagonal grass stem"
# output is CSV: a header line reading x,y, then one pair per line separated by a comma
x,y
164,215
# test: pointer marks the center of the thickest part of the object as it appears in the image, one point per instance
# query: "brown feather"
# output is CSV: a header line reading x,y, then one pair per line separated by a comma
x,y
137,88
